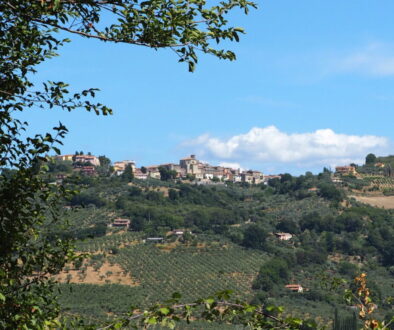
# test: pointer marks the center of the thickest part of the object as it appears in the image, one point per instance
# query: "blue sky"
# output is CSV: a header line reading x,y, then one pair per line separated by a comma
x,y
312,87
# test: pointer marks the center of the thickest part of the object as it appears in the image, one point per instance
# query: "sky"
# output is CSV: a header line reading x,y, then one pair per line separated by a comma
x,y
312,87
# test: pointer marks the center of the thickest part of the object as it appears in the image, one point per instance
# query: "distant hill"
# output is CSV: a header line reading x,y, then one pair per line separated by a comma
x,y
200,239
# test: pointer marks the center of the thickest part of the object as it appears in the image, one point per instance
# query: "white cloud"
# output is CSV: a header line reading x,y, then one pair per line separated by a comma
x,y
376,59
232,165
269,144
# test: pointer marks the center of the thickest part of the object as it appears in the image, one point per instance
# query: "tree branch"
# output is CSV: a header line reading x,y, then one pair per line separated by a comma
x,y
103,38
220,303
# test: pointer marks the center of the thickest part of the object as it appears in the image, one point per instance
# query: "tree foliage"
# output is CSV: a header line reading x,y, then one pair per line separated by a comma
x,y
105,167
255,237
273,272
128,174
183,26
29,35
370,159
167,174
28,254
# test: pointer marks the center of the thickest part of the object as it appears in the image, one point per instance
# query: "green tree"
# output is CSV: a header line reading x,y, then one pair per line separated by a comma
x,y
56,165
255,237
166,174
128,174
370,159
190,177
329,191
288,226
105,166
173,194
272,273
215,179
28,252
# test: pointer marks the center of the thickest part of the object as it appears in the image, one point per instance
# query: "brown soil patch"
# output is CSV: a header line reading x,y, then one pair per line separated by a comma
x,y
337,257
107,273
168,247
241,275
162,189
386,202
123,245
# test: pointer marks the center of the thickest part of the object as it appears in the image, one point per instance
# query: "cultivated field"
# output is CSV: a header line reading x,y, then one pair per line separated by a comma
x,y
150,272
192,271
386,202
106,273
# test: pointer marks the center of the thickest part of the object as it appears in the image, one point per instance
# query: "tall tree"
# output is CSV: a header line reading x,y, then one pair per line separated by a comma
x,y
128,174
370,159
255,237
105,166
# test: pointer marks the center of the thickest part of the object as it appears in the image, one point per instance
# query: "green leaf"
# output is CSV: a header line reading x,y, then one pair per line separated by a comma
x,y
164,310
210,301
270,308
118,325
171,324
192,66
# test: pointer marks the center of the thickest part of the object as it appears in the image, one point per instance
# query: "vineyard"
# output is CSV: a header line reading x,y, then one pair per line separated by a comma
x,y
190,270
87,216
380,181
108,243
193,271
209,264
288,209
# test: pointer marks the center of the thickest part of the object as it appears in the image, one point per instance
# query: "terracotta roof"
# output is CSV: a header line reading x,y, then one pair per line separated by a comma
x,y
293,286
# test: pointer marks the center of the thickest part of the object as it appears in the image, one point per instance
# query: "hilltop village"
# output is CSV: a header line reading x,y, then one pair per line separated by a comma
x,y
189,168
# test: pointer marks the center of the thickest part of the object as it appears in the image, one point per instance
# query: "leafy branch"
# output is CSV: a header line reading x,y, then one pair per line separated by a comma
x,y
217,308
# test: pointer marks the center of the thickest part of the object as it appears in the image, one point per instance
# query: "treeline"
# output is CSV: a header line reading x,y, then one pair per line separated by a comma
x,y
306,185
199,208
